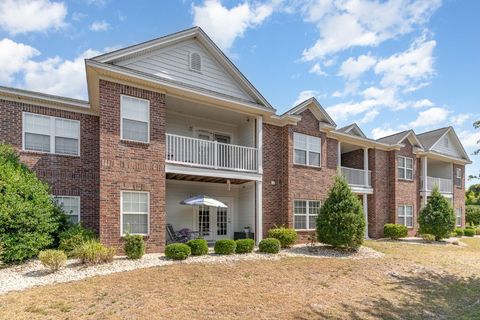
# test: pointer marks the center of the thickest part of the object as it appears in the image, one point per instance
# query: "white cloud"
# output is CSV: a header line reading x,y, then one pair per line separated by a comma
x,y
469,139
342,111
224,25
352,68
304,95
99,26
24,16
317,69
392,18
460,118
369,117
383,132
422,103
430,117
13,57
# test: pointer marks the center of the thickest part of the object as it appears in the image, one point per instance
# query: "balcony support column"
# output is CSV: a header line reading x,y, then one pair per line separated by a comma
x,y
365,166
259,142
425,180
365,213
258,212
339,156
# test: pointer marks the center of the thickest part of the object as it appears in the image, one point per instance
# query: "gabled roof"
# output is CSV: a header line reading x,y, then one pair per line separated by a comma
x,y
353,129
429,138
316,109
397,138
192,33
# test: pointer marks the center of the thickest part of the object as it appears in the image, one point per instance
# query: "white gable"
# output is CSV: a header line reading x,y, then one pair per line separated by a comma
x,y
448,145
173,63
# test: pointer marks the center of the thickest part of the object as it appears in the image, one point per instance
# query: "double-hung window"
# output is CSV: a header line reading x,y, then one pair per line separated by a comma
x,y
405,215
51,134
305,214
405,168
458,217
71,207
458,177
135,114
307,149
135,212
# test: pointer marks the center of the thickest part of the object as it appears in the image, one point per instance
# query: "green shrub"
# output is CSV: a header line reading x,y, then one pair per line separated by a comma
x,y
177,251
53,259
437,216
477,231
225,246
244,245
428,237
453,234
472,215
199,247
459,232
286,236
134,246
340,221
469,232
269,245
92,252
28,215
74,237
395,231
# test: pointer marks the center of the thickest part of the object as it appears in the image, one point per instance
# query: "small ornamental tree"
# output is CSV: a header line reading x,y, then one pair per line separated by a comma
x,y
28,216
472,215
437,217
340,221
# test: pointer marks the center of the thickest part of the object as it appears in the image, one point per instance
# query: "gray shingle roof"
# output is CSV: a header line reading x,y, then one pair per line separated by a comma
x,y
429,138
394,138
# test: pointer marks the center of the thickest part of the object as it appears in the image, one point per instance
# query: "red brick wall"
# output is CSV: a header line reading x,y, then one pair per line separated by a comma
x,y
130,166
353,159
459,192
379,202
66,175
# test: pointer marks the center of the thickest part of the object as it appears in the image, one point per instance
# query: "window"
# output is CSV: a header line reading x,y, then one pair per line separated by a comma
x,y
306,149
195,62
51,134
305,214
135,212
71,207
458,217
405,215
405,168
135,113
458,177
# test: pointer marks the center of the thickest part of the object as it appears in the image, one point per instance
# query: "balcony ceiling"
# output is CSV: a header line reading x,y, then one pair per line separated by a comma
x,y
189,177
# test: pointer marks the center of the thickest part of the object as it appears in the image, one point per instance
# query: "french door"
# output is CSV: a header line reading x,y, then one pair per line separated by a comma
x,y
214,223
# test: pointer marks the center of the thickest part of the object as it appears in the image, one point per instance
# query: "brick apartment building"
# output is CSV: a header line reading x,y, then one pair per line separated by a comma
x,y
173,118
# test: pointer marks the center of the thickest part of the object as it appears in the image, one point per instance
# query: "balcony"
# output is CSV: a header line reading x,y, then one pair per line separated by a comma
x,y
356,177
210,154
444,185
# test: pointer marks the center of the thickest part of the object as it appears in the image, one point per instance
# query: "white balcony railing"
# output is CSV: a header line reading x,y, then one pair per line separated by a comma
x,y
356,177
210,154
444,185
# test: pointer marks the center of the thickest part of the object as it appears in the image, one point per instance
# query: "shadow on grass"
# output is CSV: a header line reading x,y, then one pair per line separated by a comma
x,y
420,295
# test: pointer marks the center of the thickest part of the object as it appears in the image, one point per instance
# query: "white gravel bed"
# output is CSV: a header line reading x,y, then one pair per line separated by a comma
x,y
419,241
32,273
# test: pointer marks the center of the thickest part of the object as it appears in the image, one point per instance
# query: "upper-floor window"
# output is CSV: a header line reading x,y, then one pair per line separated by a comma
x,y
51,134
458,177
71,207
405,215
135,114
458,217
195,62
405,168
305,214
306,149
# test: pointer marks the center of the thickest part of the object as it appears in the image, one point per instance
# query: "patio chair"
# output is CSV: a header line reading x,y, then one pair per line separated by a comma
x,y
181,236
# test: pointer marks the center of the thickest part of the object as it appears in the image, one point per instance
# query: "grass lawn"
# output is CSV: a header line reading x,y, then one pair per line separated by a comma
x,y
410,282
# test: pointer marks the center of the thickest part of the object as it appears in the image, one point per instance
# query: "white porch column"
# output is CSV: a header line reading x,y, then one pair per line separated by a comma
x,y
259,142
365,165
424,179
339,156
258,212
365,213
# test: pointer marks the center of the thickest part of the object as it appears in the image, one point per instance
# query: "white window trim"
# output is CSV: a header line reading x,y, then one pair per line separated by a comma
x,y
457,216
190,62
79,204
121,120
122,234
307,150
405,168
458,179
308,215
52,135
404,206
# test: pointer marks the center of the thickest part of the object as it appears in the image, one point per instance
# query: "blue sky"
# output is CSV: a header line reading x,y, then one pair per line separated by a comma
x,y
388,65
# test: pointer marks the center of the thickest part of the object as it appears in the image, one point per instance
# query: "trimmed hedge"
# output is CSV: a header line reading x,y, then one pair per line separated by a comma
x,y
244,245
428,237
74,237
53,259
177,251
93,252
286,236
395,231
269,245
477,231
469,232
225,246
199,247
459,232
134,246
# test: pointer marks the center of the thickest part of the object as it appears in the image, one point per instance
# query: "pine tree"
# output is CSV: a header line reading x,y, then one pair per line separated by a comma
x,y
340,221
437,217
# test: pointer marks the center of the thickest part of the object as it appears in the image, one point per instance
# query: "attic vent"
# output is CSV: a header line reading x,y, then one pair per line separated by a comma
x,y
445,142
195,62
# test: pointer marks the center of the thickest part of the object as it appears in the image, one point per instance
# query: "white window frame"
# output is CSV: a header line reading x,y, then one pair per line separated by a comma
x,y
55,197
457,216
405,168
122,233
52,135
307,214
121,119
404,216
307,150
458,179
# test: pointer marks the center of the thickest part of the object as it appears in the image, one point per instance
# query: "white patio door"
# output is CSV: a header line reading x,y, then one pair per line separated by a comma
x,y
214,223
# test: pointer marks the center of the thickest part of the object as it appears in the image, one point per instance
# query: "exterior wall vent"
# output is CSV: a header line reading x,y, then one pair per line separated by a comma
x,y
195,62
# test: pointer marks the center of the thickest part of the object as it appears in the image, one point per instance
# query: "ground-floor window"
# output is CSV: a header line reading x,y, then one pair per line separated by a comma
x,y
135,212
71,207
305,214
405,215
458,217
